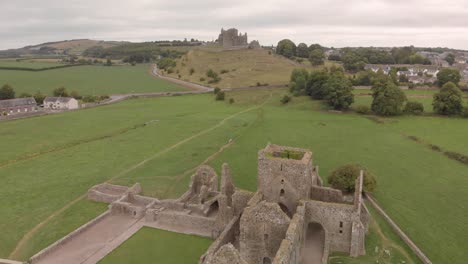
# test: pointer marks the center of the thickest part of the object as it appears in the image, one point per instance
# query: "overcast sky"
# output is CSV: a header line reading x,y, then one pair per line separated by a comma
x,y
334,23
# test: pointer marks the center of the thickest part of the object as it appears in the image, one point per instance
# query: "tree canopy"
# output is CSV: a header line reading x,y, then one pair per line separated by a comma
x,y
317,57
7,92
286,48
448,75
344,178
448,101
302,50
388,98
339,91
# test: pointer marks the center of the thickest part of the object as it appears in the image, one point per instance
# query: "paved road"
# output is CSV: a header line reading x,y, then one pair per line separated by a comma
x,y
9,261
155,73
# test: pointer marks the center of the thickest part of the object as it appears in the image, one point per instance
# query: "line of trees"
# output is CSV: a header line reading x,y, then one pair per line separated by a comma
x,y
7,92
315,53
330,85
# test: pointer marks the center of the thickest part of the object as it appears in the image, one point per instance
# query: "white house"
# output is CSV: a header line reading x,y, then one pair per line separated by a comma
x,y
60,103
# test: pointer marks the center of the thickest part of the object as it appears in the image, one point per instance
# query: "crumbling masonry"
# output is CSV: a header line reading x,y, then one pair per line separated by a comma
x,y
291,218
232,39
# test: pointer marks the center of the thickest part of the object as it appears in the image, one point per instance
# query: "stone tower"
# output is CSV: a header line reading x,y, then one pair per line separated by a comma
x,y
285,175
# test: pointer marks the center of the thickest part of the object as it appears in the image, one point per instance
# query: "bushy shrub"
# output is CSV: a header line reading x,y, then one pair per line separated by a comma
x,y
344,178
363,109
220,96
223,71
231,100
192,71
216,90
286,99
415,108
202,79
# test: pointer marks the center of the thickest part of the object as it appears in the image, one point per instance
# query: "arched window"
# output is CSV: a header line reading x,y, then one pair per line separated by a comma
x,y
282,193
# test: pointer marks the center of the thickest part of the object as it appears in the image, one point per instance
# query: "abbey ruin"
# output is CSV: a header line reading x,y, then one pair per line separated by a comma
x,y
232,39
291,218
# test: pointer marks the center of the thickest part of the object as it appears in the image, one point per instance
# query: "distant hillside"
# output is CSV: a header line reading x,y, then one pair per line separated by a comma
x,y
59,48
237,68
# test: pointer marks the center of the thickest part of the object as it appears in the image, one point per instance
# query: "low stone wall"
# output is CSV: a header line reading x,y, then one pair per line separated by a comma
x,y
400,232
59,243
98,196
227,236
182,220
325,194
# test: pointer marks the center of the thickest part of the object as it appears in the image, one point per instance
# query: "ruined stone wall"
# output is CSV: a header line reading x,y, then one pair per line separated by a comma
x,y
262,229
240,200
291,247
325,194
182,220
229,235
337,221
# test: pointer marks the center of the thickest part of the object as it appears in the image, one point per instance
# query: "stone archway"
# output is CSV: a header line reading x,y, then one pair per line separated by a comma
x,y
314,244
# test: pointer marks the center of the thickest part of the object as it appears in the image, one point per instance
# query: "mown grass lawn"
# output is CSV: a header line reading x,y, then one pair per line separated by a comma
x,y
151,245
88,80
422,190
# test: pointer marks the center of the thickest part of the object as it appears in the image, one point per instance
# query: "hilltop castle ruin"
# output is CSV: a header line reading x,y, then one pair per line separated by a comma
x,y
232,39
290,219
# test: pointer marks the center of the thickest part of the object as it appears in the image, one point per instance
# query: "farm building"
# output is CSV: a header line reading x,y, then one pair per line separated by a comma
x,y
17,106
60,103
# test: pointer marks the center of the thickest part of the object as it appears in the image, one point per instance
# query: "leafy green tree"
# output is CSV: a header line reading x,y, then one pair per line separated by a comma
x,y
316,84
39,97
166,63
286,48
448,101
109,62
7,92
450,58
448,75
317,57
364,78
339,91
344,178
60,92
353,62
302,50
298,81
388,99
315,46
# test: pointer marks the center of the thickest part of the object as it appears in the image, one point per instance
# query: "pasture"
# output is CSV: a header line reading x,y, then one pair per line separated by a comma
x,y
242,68
158,246
88,80
159,142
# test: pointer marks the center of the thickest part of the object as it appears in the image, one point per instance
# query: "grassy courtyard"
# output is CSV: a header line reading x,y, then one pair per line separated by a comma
x,y
87,80
159,142
158,246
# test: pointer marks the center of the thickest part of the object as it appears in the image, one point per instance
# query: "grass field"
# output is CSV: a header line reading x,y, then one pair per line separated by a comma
x,y
158,246
33,64
88,80
47,174
244,67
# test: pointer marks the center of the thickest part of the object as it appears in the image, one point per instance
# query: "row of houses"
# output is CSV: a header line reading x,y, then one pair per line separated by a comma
x,y
29,105
415,73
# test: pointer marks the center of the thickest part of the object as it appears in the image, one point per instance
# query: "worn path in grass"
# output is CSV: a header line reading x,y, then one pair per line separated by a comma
x,y
31,233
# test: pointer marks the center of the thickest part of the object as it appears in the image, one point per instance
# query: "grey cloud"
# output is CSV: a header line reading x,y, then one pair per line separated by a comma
x,y
330,22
